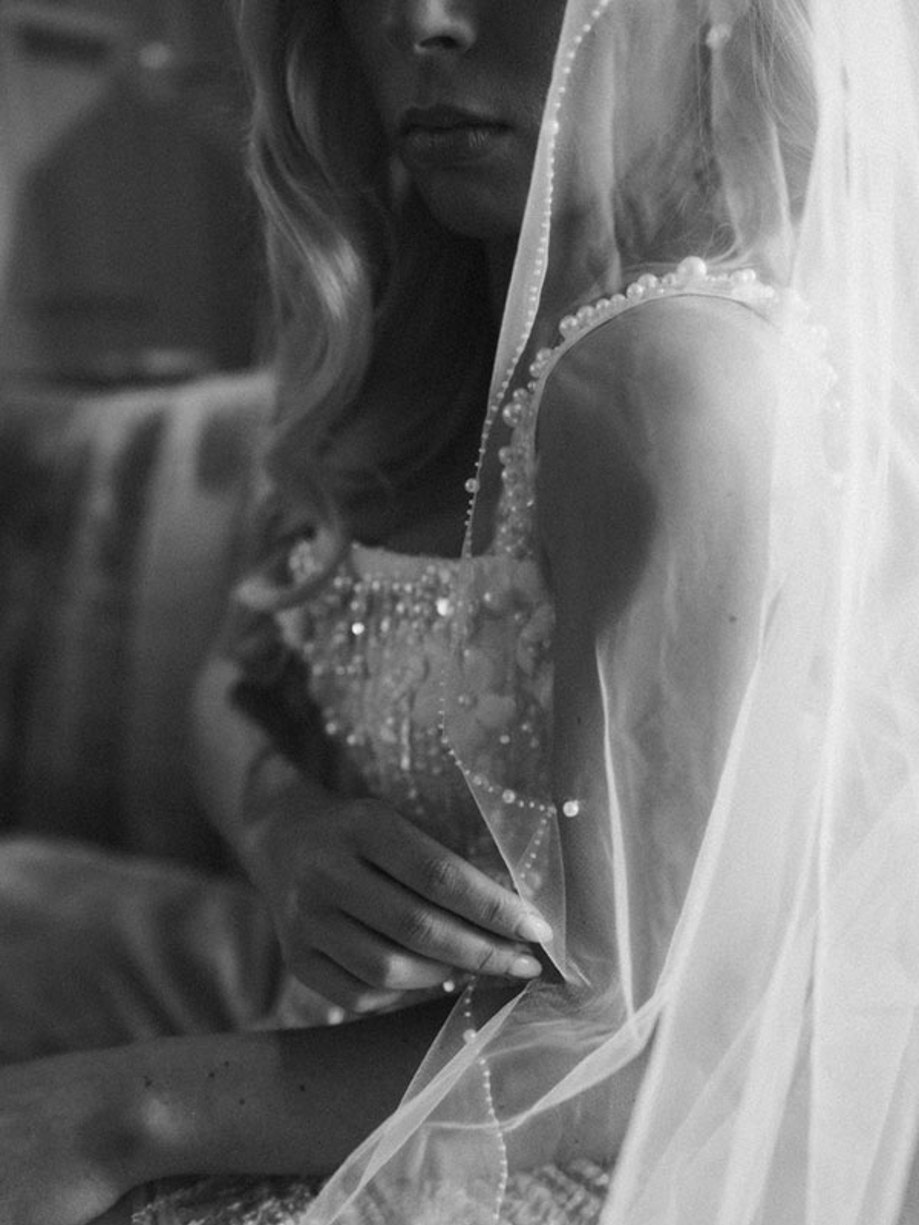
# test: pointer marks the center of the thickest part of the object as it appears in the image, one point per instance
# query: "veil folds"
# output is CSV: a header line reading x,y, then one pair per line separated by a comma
x,y
750,951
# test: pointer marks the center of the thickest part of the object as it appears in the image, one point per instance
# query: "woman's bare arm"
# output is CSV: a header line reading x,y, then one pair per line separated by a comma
x,y
279,1102
653,489
78,1131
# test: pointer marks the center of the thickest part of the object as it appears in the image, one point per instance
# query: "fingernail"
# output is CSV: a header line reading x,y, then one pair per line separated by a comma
x,y
525,967
534,929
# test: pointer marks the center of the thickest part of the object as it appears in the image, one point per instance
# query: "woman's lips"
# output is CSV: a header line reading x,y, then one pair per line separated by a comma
x,y
446,136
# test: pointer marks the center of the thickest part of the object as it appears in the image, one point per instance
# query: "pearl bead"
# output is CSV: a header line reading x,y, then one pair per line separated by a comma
x,y
692,269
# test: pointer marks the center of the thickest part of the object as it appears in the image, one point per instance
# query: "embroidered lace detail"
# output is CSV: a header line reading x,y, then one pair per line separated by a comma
x,y
556,1195
501,687
550,1195
377,642
225,1201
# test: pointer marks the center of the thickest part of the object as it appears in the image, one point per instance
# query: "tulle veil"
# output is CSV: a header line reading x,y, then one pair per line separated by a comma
x,y
754,953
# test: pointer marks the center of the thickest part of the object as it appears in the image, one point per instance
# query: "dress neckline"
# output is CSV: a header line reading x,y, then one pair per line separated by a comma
x,y
379,561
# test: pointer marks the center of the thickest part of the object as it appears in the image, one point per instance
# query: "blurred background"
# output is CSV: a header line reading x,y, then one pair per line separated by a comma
x,y
131,309
127,245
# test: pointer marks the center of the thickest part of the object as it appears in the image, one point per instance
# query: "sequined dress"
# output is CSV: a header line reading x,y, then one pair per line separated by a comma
x,y
378,642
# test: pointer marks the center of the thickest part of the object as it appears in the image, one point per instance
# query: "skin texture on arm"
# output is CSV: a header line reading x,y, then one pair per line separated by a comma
x,y
77,1132
652,498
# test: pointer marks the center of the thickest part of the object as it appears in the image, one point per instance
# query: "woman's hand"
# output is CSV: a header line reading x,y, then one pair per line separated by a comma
x,y
66,1146
367,906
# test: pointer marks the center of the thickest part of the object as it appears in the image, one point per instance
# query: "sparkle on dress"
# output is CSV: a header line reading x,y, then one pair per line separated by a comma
x,y
378,640
385,635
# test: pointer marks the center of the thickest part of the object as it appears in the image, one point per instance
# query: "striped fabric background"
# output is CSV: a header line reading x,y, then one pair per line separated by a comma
x,y
119,515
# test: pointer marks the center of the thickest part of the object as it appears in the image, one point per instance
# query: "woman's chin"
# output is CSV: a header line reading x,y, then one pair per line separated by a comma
x,y
474,210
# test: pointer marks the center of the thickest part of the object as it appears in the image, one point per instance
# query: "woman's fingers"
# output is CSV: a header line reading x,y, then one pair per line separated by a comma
x,y
422,944
364,901
377,962
430,870
336,942
338,986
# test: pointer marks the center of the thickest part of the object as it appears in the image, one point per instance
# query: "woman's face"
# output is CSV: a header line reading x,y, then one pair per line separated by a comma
x,y
460,85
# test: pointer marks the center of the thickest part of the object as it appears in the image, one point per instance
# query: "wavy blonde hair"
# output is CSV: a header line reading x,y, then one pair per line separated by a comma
x,y
725,122
383,321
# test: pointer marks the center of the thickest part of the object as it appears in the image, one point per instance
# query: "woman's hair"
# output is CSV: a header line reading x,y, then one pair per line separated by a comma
x,y
383,320
725,174
763,128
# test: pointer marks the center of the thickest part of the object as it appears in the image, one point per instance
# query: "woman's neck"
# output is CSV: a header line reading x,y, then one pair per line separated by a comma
x,y
500,254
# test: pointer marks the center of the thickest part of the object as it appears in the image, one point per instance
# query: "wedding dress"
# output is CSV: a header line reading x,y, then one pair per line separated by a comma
x,y
751,938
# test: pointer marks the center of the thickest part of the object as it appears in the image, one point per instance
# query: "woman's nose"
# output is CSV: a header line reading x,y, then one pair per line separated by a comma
x,y
425,27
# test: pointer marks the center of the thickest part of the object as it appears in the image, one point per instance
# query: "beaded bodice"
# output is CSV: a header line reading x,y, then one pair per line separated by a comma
x,y
378,639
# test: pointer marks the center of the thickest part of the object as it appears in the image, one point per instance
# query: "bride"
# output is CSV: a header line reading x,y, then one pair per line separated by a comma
x,y
586,523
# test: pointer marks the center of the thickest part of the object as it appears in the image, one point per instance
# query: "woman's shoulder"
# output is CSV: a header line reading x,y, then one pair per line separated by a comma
x,y
682,338
662,400
683,360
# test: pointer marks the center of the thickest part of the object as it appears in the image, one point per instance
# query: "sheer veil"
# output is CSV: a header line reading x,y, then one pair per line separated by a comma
x,y
751,946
